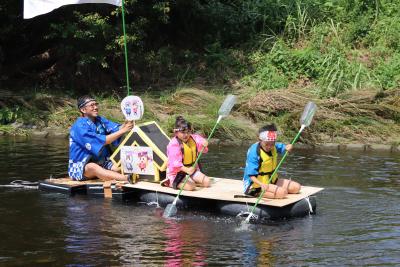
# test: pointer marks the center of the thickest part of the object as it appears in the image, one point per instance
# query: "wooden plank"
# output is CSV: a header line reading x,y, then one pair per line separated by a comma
x,y
225,189
69,182
221,189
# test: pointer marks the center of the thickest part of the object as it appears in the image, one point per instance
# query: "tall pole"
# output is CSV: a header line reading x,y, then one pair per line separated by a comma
x,y
125,48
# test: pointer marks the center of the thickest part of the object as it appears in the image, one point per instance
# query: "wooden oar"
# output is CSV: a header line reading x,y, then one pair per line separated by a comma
x,y
223,112
305,121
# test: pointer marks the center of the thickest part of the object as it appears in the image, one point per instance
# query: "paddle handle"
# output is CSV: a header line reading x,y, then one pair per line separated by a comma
x,y
275,171
198,157
286,152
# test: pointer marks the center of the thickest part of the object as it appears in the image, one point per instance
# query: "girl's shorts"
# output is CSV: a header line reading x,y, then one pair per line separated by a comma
x,y
180,176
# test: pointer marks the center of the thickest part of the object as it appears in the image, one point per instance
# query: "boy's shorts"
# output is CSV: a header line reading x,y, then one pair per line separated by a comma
x,y
254,192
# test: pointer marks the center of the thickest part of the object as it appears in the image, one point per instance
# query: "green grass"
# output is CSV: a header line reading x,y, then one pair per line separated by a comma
x,y
327,48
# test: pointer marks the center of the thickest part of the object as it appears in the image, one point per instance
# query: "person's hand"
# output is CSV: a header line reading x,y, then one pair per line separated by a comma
x,y
289,147
127,126
264,187
205,144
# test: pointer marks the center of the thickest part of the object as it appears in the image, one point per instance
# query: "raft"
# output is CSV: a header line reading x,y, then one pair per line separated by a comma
x,y
224,197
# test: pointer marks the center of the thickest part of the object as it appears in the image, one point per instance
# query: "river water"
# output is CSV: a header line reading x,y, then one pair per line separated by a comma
x,y
357,220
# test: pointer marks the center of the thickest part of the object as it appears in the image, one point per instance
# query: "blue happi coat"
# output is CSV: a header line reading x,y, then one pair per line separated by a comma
x,y
87,143
253,162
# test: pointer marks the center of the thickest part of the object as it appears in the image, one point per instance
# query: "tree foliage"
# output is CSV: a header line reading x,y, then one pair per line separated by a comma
x,y
337,44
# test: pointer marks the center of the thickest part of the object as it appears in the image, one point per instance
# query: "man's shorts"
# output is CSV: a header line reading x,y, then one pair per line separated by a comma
x,y
107,165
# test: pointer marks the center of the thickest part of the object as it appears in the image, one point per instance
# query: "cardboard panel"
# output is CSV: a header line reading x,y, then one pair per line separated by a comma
x,y
225,189
148,134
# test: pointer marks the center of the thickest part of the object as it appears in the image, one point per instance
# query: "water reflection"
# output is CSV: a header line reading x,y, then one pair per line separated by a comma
x,y
183,246
357,221
88,225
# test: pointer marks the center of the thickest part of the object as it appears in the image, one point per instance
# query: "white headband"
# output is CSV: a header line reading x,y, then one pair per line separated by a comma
x,y
268,136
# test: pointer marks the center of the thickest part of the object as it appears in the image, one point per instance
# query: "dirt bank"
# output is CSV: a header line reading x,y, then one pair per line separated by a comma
x,y
362,117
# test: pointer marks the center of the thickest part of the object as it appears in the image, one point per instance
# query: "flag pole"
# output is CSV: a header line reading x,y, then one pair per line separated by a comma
x,y
125,48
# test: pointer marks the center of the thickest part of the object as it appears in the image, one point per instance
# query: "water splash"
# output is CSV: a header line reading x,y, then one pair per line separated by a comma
x,y
154,203
243,227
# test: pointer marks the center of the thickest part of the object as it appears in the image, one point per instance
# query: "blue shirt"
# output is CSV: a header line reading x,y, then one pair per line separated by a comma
x,y
87,143
253,162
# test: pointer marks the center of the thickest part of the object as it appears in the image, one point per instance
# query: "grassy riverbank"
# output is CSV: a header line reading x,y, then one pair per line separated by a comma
x,y
275,55
366,116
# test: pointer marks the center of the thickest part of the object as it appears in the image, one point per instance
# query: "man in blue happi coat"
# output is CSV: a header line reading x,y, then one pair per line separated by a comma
x,y
90,137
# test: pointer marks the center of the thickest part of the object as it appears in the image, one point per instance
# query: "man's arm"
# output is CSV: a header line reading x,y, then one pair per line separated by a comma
x,y
126,127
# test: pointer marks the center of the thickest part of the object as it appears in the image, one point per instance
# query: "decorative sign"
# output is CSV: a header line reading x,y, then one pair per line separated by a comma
x,y
137,159
132,108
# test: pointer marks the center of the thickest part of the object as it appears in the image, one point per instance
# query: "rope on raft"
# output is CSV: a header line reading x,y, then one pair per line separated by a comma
x,y
309,205
247,213
154,203
21,184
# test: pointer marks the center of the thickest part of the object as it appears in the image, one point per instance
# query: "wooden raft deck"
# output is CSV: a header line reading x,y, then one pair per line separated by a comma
x,y
221,189
225,189
69,182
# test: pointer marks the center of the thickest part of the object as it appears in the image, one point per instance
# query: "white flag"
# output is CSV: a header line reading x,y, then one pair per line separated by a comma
x,y
33,8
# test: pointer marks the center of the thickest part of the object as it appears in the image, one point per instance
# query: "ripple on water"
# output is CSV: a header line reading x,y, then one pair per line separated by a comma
x,y
356,221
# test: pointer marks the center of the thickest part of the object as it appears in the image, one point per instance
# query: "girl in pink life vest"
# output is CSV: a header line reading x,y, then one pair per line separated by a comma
x,y
182,152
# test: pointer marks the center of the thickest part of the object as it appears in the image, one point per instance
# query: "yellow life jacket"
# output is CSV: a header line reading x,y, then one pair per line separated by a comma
x,y
267,166
189,152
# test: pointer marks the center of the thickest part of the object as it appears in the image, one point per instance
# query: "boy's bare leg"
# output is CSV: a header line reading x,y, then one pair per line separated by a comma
x,y
275,192
291,186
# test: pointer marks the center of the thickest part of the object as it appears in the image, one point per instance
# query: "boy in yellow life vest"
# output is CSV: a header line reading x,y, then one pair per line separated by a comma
x,y
182,152
262,159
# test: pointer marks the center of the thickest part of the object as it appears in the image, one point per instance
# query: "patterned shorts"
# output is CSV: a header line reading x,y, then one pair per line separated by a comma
x,y
107,165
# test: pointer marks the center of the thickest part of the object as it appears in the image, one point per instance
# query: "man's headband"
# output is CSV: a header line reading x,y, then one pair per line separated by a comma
x,y
83,102
268,136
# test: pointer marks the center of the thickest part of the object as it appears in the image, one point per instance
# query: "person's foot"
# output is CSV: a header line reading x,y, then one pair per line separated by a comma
x,y
165,182
130,178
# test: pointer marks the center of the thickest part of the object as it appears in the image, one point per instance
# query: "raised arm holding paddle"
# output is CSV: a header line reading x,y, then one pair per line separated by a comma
x,y
305,121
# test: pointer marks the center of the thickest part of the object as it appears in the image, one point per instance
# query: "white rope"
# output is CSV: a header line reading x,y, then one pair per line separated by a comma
x,y
22,184
242,213
247,213
309,205
154,203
